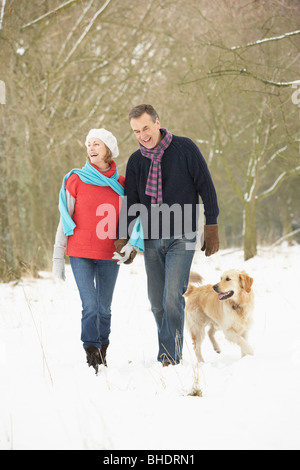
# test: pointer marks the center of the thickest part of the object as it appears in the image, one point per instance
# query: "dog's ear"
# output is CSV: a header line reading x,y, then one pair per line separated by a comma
x,y
246,281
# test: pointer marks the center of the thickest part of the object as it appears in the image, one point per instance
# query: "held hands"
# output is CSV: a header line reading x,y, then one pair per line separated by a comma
x,y
211,240
125,253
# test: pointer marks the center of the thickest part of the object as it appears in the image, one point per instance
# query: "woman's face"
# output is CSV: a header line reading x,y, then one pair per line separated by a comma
x,y
97,150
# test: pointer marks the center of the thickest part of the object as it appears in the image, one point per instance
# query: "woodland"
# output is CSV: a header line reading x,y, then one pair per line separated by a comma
x,y
224,73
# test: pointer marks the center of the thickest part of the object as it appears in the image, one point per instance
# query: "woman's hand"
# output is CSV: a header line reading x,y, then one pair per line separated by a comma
x,y
125,253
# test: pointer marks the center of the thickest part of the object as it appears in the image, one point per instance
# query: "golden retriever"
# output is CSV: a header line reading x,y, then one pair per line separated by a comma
x,y
227,305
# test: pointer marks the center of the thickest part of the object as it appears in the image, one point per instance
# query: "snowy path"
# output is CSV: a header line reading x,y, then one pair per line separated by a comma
x,y
50,399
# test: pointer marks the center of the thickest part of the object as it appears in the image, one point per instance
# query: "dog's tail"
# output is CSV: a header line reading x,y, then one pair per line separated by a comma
x,y
195,278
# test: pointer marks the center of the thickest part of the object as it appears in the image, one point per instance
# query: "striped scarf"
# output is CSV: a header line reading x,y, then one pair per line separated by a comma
x,y
154,182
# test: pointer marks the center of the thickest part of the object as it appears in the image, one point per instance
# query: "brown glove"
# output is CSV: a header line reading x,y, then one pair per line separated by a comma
x,y
211,240
119,244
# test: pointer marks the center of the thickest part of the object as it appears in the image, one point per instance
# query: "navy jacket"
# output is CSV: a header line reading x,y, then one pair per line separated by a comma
x,y
185,177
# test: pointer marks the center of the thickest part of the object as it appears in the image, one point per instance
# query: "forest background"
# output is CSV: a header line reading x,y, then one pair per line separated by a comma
x,y
224,73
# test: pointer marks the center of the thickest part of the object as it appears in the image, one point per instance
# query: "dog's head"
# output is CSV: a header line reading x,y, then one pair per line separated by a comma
x,y
232,282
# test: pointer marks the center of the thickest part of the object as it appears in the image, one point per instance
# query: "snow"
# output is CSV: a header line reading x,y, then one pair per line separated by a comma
x,y
2,13
261,41
50,399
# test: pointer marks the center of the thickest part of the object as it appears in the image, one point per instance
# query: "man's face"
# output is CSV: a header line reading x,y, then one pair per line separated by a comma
x,y
146,131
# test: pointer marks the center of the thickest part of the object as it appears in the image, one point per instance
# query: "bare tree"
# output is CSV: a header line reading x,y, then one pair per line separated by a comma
x,y
76,64
253,128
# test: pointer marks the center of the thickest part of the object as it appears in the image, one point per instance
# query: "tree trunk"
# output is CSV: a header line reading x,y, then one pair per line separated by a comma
x,y
250,230
8,269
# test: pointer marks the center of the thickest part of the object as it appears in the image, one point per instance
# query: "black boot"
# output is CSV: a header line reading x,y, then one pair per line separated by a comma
x,y
93,357
103,354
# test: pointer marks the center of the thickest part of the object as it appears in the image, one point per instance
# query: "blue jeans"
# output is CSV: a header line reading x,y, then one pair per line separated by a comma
x,y
168,265
96,280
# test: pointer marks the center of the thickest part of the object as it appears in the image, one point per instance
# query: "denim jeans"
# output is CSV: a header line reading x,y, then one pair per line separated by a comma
x,y
96,280
168,264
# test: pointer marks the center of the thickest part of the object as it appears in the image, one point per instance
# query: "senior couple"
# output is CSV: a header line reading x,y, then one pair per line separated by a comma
x,y
166,170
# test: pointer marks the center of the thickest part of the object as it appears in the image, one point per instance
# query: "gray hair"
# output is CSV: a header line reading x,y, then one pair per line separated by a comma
x,y
138,111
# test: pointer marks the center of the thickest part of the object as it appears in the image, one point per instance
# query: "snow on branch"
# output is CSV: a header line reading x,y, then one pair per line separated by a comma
x,y
83,35
40,18
74,29
2,13
278,152
277,183
256,77
245,72
289,235
262,41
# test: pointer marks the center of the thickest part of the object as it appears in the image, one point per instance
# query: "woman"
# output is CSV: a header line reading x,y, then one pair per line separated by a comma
x,y
86,196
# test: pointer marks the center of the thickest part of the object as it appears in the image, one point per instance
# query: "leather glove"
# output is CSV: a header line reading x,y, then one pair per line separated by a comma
x,y
58,267
211,240
125,253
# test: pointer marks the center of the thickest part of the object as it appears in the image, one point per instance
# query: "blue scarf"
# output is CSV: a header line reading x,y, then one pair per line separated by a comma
x,y
89,175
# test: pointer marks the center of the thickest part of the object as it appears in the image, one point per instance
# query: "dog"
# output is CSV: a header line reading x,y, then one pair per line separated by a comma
x,y
226,306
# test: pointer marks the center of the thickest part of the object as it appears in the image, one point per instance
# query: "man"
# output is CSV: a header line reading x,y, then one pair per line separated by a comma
x,y
164,179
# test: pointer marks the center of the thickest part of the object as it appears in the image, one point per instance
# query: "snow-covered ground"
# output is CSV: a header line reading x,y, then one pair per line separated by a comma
x,y
50,399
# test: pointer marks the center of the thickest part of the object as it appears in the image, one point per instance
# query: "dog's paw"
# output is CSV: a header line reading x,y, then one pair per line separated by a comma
x,y
247,350
200,358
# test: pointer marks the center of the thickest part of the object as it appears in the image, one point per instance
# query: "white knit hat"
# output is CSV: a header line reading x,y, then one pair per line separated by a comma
x,y
107,137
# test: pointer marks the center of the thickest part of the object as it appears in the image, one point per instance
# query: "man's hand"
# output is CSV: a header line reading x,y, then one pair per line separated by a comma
x,y
125,253
211,240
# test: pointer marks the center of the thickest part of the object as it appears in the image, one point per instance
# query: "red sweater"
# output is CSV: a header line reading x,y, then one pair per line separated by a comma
x,y
96,216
